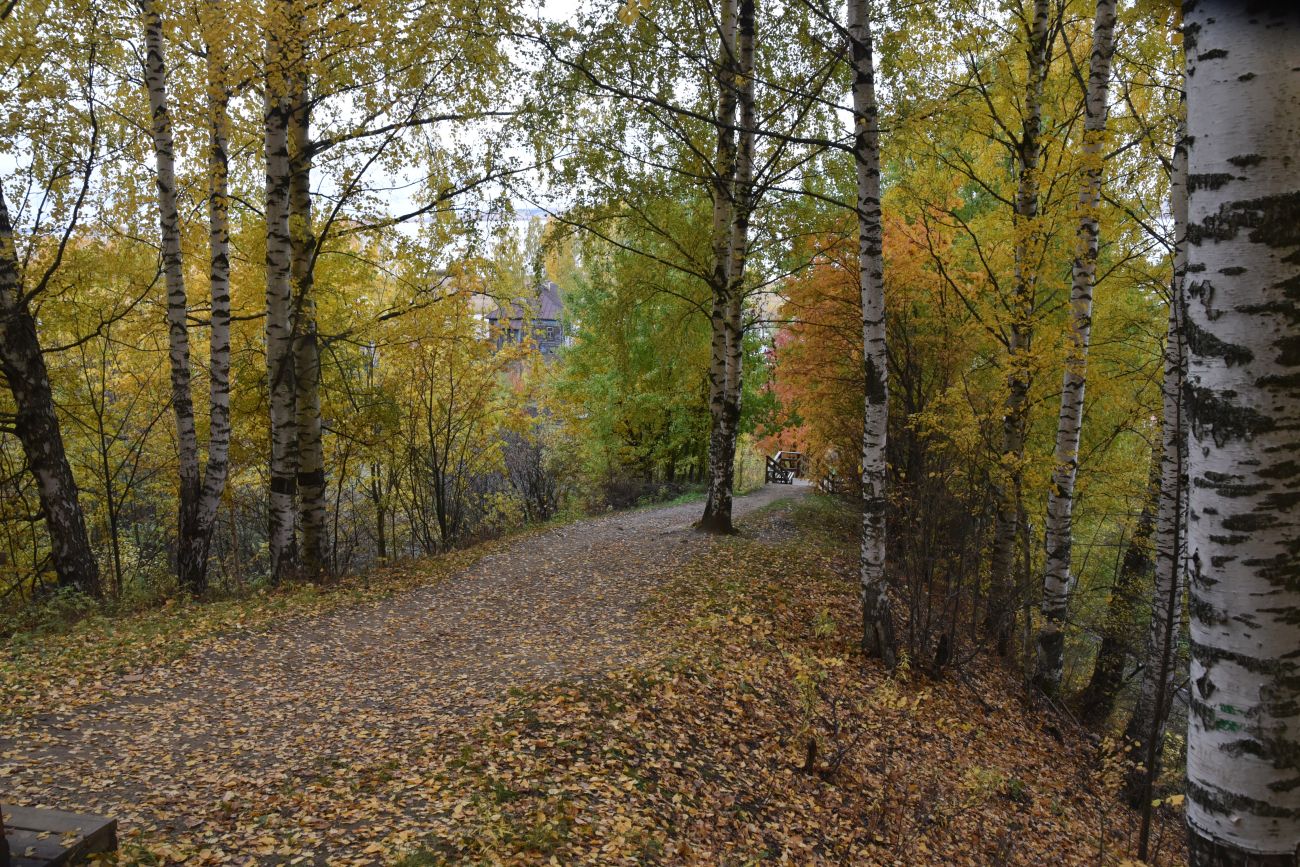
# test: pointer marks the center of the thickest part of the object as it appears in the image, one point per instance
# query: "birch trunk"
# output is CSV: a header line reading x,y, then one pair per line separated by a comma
x,y
717,507
279,299
306,348
37,426
1243,388
1145,731
877,623
188,569
200,492
1028,251
742,208
218,465
1058,583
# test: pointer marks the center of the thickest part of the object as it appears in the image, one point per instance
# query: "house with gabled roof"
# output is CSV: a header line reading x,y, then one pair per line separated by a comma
x,y
539,320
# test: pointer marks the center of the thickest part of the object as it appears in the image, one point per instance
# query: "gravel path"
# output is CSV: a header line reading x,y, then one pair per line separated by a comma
x,y
319,704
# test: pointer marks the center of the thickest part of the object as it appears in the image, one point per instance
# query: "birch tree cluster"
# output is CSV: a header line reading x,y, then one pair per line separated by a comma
x,y
1019,278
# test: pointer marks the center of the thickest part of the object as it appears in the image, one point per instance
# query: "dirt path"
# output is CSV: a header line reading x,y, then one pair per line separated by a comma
x,y
288,727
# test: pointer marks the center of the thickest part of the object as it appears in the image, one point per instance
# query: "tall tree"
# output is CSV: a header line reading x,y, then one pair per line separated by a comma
x,y
280,66
323,61
738,248
1058,581
1029,241
1145,731
1243,383
717,505
36,424
200,489
306,343
59,128
877,624
215,473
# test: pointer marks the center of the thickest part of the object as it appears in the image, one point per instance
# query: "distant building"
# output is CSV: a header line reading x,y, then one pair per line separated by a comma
x,y
539,319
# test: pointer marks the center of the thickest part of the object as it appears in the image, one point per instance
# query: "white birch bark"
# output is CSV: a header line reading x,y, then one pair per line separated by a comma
x,y
877,624
738,250
200,492
1057,580
1243,388
279,298
717,506
306,348
1146,726
1003,593
218,465
178,339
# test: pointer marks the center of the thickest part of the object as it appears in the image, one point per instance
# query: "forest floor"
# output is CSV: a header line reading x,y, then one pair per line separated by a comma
x,y
618,690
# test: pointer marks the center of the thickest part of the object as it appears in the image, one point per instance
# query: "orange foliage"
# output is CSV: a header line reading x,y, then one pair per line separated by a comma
x,y
818,374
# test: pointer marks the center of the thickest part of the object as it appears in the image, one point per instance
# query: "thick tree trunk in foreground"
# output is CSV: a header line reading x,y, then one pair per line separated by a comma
x,y
37,426
1058,582
1003,591
1243,386
877,625
1145,732
717,507
306,348
279,300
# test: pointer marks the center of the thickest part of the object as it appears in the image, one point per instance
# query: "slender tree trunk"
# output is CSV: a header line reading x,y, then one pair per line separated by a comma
x,y
190,546
306,348
1058,582
1243,387
381,516
1097,700
200,493
218,465
1145,731
1004,592
37,426
279,297
717,506
111,504
742,208
877,622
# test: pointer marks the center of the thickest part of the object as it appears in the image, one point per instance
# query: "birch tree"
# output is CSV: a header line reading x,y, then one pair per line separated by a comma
x,y
733,190
340,95
1028,253
1058,581
200,489
219,421
717,505
738,246
1145,730
877,625
1243,385
281,375
310,480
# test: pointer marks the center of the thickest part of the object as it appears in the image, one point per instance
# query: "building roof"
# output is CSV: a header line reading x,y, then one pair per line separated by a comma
x,y
545,305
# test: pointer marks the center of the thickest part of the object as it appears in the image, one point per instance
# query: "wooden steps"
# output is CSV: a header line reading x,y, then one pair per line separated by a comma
x,y
40,838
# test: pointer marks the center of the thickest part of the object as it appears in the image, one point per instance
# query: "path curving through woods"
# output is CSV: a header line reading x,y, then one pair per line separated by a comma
x,y
290,738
